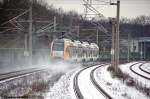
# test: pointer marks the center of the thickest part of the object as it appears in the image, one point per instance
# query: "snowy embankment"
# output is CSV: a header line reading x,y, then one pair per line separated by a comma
x,y
118,88
61,89
144,82
115,87
36,85
88,90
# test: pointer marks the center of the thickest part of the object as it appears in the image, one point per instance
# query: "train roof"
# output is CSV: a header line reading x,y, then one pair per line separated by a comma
x,y
86,44
94,45
78,43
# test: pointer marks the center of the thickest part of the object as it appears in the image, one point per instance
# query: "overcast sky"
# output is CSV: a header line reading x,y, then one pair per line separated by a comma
x,y
129,8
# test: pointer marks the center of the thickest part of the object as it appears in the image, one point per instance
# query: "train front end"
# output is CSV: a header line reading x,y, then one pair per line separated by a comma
x,y
57,50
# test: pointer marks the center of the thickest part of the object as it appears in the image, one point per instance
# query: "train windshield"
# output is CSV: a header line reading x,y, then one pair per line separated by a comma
x,y
58,45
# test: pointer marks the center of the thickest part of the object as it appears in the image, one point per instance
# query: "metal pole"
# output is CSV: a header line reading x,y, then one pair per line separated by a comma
x,y
97,36
128,59
141,50
30,33
25,42
117,36
26,53
54,23
113,21
78,32
144,52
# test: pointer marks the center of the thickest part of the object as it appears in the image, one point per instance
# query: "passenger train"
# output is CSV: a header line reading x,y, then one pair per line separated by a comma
x,y
73,51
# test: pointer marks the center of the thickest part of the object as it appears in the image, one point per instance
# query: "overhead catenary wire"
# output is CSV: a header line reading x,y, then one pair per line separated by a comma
x,y
6,9
15,17
104,1
92,9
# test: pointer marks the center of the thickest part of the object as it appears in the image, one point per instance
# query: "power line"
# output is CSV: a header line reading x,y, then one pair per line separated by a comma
x,y
15,17
104,1
12,9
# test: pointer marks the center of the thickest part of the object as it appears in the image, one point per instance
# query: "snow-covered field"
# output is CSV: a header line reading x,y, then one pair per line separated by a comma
x,y
86,86
146,67
36,85
117,88
58,83
143,81
62,89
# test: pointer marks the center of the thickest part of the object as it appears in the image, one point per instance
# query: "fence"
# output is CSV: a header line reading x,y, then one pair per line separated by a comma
x,y
105,55
17,56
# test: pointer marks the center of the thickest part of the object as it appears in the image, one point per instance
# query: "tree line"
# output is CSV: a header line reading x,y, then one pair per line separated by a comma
x,y
138,27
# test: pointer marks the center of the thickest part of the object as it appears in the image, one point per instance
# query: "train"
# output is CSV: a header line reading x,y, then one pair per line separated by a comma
x,y
73,51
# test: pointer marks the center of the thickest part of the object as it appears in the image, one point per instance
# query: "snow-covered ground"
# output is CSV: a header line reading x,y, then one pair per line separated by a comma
x,y
115,87
139,79
63,88
87,88
146,67
36,85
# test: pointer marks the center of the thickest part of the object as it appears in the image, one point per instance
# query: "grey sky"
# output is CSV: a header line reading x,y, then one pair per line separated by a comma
x,y
129,8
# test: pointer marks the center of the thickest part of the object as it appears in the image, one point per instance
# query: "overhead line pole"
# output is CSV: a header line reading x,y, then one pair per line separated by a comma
x,y
97,37
117,36
128,59
54,23
30,33
78,31
113,48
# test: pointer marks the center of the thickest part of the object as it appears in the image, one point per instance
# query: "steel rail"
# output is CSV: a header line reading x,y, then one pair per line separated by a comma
x,y
76,85
131,68
76,88
140,67
13,75
99,88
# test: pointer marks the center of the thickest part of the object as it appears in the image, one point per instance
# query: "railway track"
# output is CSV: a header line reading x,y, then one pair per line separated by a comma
x,y
76,87
77,90
16,74
103,92
140,67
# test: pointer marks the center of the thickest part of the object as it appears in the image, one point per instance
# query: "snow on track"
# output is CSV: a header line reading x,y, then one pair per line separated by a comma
x,y
115,87
126,69
138,71
87,88
146,67
14,75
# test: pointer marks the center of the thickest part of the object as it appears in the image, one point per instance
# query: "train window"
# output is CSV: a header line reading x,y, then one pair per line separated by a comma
x,y
71,51
58,46
67,51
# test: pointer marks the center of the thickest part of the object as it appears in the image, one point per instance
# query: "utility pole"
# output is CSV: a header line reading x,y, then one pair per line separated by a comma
x,y
144,51
78,31
128,58
26,53
113,49
141,52
54,23
117,36
30,33
97,37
